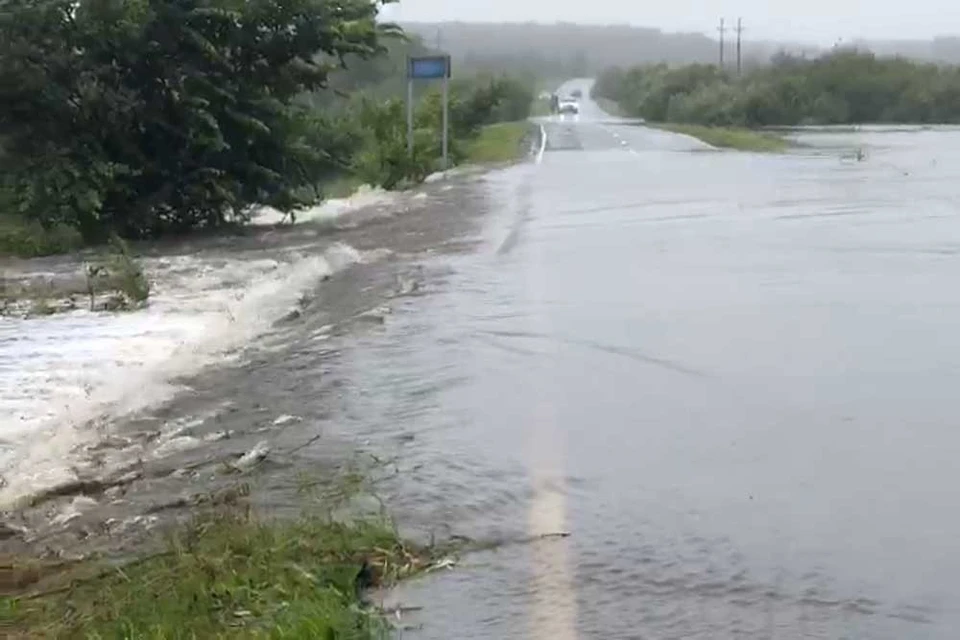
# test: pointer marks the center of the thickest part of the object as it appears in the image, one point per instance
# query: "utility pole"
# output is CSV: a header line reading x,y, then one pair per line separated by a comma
x,y
739,59
722,29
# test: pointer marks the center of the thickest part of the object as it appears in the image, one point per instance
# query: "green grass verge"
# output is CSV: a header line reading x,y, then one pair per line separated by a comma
x,y
226,576
730,137
501,142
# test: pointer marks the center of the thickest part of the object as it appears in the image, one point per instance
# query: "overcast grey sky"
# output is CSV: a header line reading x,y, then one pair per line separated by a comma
x,y
814,21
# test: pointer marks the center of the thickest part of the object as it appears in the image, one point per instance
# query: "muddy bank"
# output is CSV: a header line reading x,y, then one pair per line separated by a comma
x,y
156,466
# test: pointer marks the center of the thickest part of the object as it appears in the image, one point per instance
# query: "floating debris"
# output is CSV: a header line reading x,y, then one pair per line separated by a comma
x,y
8,531
286,419
377,314
253,457
293,314
74,510
445,563
406,286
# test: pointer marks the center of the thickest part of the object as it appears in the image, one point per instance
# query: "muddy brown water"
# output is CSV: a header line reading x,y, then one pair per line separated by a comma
x,y
730,377
285,391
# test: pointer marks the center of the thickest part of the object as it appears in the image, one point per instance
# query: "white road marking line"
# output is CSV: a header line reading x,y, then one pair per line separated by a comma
x,y
554,614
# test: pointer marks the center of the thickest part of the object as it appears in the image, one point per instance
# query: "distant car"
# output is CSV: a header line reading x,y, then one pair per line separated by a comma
x,y
576,93
568,106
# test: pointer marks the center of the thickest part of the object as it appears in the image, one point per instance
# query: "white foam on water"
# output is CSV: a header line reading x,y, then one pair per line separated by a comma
x,y
331,209
63,377
365,196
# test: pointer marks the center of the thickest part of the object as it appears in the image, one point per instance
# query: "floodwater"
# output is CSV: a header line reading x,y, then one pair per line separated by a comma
x,y
729,377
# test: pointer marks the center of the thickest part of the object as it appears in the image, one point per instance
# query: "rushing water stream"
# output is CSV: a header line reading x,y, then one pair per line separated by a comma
x,y
728,376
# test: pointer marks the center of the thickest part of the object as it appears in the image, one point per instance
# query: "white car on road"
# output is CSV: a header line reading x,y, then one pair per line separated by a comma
x,y
568,105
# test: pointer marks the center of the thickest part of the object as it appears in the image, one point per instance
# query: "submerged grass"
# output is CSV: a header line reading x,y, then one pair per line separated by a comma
x,y
730,137
501,142
229,575
112,281
28,239
131,282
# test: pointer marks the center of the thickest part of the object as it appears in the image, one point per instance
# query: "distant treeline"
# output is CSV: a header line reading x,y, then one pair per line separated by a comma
x,y
564,50
570,50
842,87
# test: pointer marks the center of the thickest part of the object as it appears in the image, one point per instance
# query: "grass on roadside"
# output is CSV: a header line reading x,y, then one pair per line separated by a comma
x,y
231,576
730,137
501,142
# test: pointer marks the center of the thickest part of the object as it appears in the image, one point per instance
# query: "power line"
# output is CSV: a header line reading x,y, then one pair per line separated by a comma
x,y
722,29
739,59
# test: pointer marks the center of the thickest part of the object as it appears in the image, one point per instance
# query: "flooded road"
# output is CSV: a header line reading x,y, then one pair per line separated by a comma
x,y
729,377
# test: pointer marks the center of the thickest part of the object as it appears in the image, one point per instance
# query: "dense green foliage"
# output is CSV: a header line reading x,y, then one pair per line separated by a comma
x,y
474,103
151,117
845,86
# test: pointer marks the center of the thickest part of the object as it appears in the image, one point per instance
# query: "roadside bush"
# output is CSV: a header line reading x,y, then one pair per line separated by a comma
x,y
486,100
716,105
382,158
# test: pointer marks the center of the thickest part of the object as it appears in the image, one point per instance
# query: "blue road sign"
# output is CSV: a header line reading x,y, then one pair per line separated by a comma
x,y
428,67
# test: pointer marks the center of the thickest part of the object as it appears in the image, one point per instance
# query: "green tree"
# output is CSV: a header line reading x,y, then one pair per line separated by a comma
x,y
152,116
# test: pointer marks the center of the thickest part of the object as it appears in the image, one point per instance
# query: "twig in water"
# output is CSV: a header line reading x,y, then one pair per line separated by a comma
x,y
305,444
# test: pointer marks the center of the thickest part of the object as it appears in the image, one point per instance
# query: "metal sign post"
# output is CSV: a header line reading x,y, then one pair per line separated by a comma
x,y
428,68
409,115
445,123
